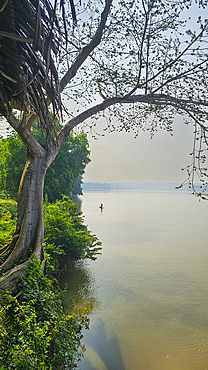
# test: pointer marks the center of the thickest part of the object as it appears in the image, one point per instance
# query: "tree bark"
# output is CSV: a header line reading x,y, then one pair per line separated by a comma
x,y
29,231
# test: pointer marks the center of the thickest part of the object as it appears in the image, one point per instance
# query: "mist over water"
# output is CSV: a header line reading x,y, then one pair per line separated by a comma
x,y
149,289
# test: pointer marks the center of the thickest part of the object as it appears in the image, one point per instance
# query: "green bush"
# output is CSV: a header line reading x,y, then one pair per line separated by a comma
x,y
8,210
36,333
67,239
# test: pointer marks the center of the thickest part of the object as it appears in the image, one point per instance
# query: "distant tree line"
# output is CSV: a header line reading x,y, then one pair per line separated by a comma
x,y
130,186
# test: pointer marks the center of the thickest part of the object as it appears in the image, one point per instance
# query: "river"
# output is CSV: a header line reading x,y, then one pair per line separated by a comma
x,y
149,289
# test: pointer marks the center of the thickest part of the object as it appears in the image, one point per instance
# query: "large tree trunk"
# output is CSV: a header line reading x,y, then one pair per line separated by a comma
x,y
29,234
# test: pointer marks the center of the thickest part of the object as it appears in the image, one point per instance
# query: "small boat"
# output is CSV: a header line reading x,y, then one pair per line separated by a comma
x,y
101,206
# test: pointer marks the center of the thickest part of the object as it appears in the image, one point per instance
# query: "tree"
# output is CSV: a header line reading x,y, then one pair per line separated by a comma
x,y
77,188
134,56
67,239
67,166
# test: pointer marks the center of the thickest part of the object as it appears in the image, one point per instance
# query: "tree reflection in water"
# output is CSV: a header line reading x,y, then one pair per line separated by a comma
x,y
80,283
103,351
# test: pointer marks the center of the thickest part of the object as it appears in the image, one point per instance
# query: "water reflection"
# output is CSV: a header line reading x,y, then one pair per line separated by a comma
x,y
80,283
103,350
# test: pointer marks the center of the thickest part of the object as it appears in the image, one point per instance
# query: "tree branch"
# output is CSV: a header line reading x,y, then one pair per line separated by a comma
x,y
85,52
182,74
169,65
87,49
157,99
25,134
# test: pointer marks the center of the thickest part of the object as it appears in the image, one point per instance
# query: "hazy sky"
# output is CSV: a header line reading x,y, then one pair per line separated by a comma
x,y
119,157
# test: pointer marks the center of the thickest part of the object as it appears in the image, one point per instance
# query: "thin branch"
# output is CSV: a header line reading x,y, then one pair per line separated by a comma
x,y
147,58
169,65
100,92
185,73
4,6
85,52
141,49
196,121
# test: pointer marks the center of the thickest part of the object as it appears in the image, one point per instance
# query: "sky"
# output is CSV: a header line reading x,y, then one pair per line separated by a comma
x,y
119,157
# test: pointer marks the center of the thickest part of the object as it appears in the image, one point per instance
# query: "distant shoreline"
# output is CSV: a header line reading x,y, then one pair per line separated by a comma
x,y
89,186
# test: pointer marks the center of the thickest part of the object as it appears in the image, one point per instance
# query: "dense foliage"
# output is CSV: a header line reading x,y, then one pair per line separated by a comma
x,y
77,186
36,333
12,163
8,210
65,169
67,239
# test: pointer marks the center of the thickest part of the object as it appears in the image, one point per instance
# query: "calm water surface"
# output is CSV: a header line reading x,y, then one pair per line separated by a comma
x,y
149,289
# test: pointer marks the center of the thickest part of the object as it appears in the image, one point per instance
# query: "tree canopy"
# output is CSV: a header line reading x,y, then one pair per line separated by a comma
x,y
69,164
148,67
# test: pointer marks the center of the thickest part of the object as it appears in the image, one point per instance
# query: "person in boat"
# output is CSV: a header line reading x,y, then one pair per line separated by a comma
x,y
101,206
